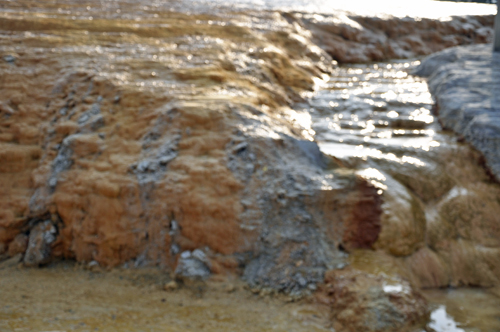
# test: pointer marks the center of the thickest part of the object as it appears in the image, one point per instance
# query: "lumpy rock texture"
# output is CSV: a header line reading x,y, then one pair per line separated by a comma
x,y
375,303
171,140
465,82
351,38
137,142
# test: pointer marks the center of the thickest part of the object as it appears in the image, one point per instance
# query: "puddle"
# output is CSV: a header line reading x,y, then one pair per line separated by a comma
x,y
464,310
441,321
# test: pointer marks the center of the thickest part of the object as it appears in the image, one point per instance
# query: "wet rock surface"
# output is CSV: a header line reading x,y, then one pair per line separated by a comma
x,y
188,143
439,206
135,136
359,39
465,82
304,214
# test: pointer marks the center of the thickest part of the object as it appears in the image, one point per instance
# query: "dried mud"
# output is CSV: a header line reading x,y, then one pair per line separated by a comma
x,y
68,298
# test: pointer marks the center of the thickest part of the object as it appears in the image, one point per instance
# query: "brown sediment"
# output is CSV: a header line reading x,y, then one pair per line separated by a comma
x,y
132,143
68,297
481,159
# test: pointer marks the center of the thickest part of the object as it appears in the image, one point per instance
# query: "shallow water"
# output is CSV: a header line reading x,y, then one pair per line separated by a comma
x,y
378,119
376,113
464,310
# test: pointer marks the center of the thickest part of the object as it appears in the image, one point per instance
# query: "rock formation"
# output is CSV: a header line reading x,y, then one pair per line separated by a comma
x,y
465,83
169,140
352,39
367,302
141,144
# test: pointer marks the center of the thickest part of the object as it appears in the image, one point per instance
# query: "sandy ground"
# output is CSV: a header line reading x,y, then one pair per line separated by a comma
x,y
66,297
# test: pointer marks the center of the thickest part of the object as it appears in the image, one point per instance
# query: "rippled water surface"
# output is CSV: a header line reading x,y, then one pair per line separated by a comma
x,y
375,117
379,109
375,111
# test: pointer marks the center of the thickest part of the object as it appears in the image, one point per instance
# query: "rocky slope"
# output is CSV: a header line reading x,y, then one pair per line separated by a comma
x,y
465,83
136,136
136,145
351,39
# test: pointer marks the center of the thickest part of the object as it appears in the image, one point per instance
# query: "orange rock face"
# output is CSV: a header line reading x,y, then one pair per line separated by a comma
x,y
171,141
137,153
138,140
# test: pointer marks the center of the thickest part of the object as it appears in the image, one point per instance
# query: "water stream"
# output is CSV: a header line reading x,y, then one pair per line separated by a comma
x,y
376,111
378,119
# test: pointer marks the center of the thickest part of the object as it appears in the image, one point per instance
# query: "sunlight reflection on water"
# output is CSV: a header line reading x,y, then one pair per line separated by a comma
x,y
421,9
377,120
376,112
464,310
442,322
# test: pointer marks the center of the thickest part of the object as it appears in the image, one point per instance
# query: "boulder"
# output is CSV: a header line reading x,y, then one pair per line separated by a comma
x,y
39,249
374,303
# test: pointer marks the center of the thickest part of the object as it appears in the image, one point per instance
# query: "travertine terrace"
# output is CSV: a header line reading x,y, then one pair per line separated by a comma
x,y
132,135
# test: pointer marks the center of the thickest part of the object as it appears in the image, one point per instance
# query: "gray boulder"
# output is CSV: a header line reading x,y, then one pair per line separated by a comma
x,y
465,83
193,265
